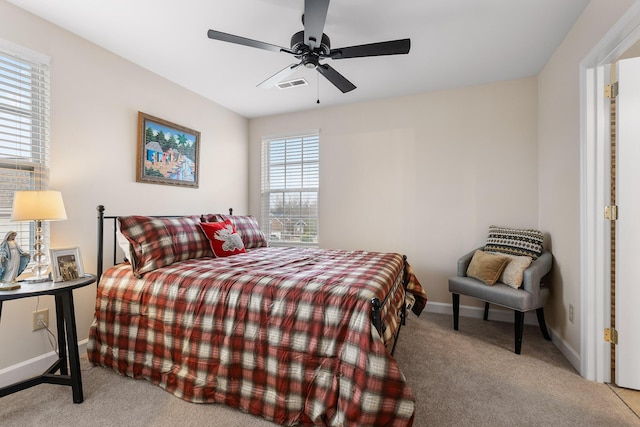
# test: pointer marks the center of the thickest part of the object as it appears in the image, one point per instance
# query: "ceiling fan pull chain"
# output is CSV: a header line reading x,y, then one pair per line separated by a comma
x,y
318,86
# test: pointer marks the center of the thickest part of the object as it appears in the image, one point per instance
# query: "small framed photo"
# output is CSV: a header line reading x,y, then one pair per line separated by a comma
x,y
66,264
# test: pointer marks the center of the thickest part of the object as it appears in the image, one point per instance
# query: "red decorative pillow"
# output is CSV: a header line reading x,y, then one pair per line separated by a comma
x,y
223,238
158,242
247,226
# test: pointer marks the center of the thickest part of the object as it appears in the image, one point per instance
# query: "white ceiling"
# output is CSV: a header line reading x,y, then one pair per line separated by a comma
x,y
453,43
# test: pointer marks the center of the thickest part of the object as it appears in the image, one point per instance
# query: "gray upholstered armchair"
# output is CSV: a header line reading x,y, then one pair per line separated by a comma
x,y
532,295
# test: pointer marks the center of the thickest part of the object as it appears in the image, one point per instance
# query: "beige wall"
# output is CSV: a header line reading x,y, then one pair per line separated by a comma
x,y
632,52
95,97
559,153
423,175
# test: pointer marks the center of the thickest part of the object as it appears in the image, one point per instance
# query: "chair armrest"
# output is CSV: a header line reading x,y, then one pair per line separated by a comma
x,y
536,271
464,261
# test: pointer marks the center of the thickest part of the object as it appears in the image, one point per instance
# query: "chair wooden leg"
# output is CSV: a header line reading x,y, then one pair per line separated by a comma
x,y
519,328
543,324
486,311
456,310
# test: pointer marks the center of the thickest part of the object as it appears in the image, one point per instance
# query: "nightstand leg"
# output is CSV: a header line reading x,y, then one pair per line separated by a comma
x,y
72,341
62,343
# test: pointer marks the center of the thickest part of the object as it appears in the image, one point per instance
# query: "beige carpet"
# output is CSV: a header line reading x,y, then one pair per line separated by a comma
x,y
472,377
466,378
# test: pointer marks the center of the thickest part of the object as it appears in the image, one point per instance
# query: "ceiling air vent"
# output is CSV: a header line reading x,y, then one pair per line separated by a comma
x,y
292,83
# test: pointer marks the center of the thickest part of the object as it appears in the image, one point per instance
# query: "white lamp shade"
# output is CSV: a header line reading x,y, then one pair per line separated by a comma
x,y
38,206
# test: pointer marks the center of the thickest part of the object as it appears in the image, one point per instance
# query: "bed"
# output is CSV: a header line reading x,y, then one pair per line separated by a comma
x,y
295,335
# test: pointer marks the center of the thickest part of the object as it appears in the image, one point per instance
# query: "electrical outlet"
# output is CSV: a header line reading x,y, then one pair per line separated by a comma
x,y
40,319
571,313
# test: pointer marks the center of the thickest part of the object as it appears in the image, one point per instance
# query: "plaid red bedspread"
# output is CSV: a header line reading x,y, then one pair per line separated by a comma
x,y
284,333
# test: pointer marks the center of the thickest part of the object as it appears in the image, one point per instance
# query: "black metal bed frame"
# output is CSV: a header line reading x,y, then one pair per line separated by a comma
x,y
376,304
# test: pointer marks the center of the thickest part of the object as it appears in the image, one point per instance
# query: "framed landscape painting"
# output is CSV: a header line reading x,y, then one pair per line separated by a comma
x,y
167,153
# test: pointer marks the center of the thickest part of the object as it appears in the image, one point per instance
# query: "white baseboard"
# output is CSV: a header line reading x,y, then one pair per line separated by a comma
x,y
33,367
530,318
567,351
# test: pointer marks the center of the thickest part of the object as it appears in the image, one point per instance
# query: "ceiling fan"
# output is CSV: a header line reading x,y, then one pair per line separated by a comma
x,y
311,45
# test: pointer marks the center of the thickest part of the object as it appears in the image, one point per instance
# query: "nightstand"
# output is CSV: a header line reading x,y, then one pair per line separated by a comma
x,y
67,345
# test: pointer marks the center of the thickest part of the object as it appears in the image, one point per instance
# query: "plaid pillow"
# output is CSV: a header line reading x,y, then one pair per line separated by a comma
x,y
248,229
514,241
158,242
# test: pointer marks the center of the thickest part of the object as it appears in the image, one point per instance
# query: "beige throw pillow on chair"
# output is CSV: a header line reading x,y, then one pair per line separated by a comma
x,y
487,267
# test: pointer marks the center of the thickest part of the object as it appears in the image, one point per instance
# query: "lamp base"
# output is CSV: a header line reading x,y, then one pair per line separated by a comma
x,y
36,274
36,279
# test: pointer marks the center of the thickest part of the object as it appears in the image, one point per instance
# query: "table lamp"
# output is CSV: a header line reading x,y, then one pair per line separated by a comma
x,y
38,206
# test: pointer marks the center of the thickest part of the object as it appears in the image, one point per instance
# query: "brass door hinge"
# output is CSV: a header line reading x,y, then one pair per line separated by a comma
x,y
611,212
611,335
611,91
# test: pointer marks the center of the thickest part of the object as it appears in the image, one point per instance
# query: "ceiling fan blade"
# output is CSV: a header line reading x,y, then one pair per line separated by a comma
x,y
394,47
315,15
336,78
279,76
218,35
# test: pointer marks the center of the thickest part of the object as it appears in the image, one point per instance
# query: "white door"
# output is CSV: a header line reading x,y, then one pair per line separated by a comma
x,y
627,304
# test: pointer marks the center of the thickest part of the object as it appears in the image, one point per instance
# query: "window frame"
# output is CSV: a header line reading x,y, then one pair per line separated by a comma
x,y
25,114
307,161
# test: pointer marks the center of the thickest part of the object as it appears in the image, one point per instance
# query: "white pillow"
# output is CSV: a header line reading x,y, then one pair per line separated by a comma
x,y
513,273
122,241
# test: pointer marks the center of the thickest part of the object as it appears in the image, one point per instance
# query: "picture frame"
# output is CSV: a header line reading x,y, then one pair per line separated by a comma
x,y
66,264
168,153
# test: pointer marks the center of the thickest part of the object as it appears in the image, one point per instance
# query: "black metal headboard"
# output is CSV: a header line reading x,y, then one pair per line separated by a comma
x,y
101,242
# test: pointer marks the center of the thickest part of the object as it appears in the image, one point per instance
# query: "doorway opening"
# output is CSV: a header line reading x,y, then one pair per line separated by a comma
x,y
595,256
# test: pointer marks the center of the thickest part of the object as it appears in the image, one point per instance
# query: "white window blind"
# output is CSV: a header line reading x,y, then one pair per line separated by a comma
x,y
290,185
24,134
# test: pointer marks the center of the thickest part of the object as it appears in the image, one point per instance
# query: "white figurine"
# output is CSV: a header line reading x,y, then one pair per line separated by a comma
x,y
13,260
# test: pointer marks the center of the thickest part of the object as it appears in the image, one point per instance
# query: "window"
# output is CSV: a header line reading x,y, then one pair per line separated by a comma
x,y
290,184
24,134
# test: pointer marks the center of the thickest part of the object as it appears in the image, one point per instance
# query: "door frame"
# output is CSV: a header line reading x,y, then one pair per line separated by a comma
x,y
595,235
